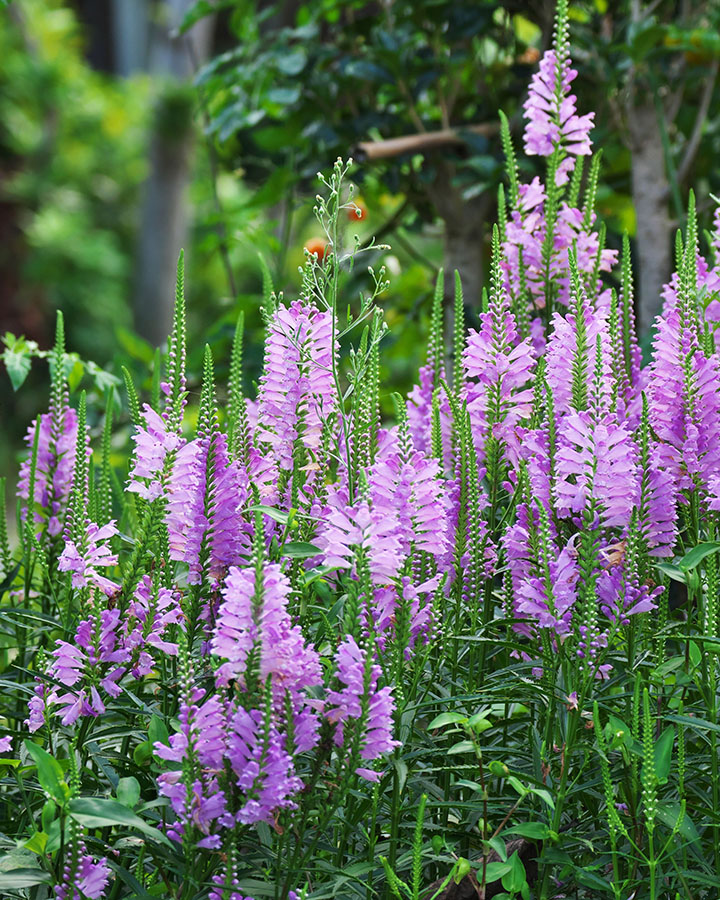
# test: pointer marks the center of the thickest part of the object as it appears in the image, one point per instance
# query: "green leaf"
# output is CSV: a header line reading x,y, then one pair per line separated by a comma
x,y
694,557
277,514
473,785
462,747
134,345
157,731
495,871
663,754
517,785
37,842
675,573
142,753
128,791
695,654
479,723
592,880
75,375
299,550
201,9
292,63
446,718
498,845
534,831
515,878
694,722
668,811
99,812
284,96
17,362
16,879
50,773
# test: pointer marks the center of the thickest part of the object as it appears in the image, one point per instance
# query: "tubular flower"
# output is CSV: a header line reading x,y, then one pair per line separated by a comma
x,y
500,397
253,620
154,445
373,530
551,114
562,356
84,564
151,612
206,493
264,769
549,603
408,487
362,713
54,469
598,460
297,389
526,229
88,878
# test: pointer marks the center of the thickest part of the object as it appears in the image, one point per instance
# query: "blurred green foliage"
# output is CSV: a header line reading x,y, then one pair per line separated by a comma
x,y
71,146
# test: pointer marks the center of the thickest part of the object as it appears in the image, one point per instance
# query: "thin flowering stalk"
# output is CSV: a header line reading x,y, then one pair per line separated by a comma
x,y
175,386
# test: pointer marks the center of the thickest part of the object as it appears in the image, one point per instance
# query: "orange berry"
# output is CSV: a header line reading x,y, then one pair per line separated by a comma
x,y
317,247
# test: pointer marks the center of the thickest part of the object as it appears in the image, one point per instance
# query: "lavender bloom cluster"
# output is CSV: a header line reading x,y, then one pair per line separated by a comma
x,y
549,468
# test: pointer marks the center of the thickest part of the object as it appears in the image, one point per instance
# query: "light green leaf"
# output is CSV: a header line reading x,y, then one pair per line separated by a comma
x,y
299,550
17,362
446,718
462,747
668,811
128,791
495,871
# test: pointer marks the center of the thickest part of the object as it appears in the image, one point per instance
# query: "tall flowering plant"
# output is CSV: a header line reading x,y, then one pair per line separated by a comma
x,y
232,662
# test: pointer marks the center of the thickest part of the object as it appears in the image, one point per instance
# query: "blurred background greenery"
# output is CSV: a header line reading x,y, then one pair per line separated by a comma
x,y
130,128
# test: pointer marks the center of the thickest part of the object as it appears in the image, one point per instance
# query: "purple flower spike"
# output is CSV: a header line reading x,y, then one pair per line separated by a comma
x,y
361,705
153,444
84,564
297,389
53,471
551,115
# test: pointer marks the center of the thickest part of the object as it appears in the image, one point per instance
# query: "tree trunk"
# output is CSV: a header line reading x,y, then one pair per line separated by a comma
x,y
164,218
650,198
163,231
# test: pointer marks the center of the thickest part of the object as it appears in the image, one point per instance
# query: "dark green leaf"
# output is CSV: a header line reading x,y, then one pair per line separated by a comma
x,y
663,754
695,556
99,812
50,773
668,812
16,879
534,831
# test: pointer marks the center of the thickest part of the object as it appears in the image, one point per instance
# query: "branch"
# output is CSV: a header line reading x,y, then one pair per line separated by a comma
x,y
368,151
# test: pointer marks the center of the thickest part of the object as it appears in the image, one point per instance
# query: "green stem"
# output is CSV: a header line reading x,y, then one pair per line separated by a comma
x,y
573,717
